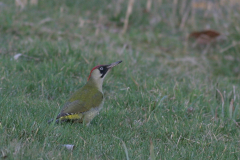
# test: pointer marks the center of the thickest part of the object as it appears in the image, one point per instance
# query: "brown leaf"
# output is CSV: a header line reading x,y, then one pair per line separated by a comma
x,y
205,36
210,33
190,110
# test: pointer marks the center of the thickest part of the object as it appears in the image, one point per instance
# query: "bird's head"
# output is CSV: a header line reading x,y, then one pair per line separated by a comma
x,y
99,72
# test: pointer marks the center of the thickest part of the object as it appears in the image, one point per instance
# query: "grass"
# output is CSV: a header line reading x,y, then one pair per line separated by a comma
x,y
160,103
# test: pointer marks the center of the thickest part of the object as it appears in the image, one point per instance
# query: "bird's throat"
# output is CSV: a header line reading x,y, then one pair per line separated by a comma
x,y
95,83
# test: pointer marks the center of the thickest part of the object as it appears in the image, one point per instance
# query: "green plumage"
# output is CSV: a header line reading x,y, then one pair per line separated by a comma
x,y
84,102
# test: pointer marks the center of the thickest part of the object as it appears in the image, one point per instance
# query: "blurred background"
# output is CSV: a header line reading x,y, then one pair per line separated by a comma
x,y
157,28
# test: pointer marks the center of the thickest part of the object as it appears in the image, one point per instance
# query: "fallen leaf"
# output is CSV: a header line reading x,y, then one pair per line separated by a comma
x,y
210,33
69,146
16,56
205,36
190,110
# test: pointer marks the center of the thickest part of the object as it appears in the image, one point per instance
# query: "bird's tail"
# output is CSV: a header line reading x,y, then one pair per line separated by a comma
x,y
67,117
51,120
57,121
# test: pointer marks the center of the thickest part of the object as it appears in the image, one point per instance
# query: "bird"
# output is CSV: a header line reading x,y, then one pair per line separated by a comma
x,y
86,103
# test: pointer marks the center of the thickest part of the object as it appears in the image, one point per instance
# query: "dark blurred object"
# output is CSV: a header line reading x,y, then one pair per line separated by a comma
x,y
205,36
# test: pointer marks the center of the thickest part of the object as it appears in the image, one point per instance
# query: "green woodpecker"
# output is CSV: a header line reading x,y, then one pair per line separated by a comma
x,y
86,102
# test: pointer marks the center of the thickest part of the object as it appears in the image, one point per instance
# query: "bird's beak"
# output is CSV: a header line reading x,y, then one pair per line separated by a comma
x,y
113,64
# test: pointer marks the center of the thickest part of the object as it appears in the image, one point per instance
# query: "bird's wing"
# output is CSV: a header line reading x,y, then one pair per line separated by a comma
x,y
80,103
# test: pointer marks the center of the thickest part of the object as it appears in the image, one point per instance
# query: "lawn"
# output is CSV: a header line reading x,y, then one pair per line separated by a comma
x,y
170,98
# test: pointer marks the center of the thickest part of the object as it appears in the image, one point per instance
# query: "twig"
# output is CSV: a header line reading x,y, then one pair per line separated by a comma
x,y
234,43
135,82
236,123
148,6
129,11
45,20
179,139
30,57
192,140
222,102
184,18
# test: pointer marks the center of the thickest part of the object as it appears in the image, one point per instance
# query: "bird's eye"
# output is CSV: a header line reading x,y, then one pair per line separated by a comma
x,y
101,68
